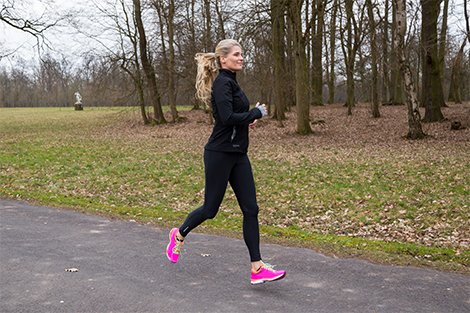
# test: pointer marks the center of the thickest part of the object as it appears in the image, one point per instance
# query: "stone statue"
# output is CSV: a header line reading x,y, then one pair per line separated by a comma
x,y
78,104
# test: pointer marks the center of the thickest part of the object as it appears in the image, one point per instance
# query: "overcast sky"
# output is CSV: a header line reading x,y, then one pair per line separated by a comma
x,y
64,40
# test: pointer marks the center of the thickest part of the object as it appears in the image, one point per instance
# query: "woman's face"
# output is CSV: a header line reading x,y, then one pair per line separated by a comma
x,y
234,60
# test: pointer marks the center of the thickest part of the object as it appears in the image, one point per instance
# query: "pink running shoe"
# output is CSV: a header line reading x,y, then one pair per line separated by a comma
x,y
173,248
266,273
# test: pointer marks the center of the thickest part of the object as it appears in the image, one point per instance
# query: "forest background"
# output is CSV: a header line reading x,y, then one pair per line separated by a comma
x,y
354,187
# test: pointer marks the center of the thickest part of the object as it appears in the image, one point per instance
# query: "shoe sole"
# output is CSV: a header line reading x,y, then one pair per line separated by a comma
x,y
262,281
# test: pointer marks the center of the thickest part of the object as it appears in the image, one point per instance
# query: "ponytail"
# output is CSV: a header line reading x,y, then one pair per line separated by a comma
x,y
208,65
207,71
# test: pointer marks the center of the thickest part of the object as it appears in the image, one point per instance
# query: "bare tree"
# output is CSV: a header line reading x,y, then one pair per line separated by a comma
x,y
332,60
396,80
148,68
16,18
414,123
350,46
455,90
373,48
278,8
318,12
166,16
301,84
432,96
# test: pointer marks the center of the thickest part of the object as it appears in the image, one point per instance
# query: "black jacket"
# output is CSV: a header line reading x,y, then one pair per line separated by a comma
x,y
232,115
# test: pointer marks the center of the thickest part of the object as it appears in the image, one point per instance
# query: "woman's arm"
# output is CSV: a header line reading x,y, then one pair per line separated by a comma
x,y
223,98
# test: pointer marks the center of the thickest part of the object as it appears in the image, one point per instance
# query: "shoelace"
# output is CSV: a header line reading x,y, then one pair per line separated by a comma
x,y
177,248
268,266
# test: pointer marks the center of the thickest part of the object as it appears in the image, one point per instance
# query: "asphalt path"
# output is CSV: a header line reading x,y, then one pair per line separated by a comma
x,y
122,267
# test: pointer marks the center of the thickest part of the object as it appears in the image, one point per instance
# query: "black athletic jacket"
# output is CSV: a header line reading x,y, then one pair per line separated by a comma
x,y
232,115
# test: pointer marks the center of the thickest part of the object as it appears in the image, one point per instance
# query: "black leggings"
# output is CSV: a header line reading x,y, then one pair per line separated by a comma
x,y
221,168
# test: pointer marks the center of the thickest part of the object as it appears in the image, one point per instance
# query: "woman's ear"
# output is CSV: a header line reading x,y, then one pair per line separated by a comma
x,y
222,59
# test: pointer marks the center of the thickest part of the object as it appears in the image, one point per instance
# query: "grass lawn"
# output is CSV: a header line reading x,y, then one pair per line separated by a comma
x,y
353,188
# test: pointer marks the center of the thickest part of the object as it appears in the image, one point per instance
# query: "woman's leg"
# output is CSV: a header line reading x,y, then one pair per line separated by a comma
x,y
242,182
217,170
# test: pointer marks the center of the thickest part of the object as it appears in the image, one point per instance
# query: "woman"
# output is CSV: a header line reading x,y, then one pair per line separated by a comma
x,y
225,154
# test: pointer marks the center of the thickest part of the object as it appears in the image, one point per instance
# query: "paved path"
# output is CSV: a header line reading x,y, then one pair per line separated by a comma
x,y
122,267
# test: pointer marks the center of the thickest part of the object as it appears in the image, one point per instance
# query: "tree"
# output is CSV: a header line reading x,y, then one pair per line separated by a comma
x,y
455,81
350,46
168,19
373,48
432,96
318,11
148,68
332,76
414,123
396,88
301,83
385,58
13,15
278,8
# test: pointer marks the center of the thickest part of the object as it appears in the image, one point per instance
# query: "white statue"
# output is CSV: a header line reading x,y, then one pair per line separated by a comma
x,y
79,98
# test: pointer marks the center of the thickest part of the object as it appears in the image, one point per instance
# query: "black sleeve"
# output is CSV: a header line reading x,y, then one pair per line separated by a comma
x,y
222,93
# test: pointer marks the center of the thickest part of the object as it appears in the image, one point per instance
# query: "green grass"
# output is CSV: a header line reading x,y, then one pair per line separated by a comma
x,y
393,206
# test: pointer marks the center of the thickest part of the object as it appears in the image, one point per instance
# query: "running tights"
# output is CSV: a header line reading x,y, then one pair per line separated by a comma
x,y
221,168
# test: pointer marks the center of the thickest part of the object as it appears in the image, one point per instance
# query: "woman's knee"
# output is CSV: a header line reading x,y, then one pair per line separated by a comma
x,y
250,210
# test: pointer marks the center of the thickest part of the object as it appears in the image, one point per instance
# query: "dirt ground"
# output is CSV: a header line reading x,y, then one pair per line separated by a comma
x,y
342,130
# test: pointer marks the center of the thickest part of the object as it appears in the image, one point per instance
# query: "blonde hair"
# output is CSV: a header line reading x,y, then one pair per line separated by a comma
x,y
208,65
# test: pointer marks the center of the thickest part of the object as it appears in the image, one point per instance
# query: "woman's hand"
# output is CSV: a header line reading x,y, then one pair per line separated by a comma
x,y
253,125
263,105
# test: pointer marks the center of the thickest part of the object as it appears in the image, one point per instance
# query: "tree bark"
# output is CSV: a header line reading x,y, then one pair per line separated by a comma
x,y
221,29
350,58
171,64
332,76
385,58
208,45
415,130
442,39
396,90
317,53
455,82
375,100
432,95
301,84
278,8
148,68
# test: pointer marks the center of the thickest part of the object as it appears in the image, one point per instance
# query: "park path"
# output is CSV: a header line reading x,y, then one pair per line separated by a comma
x,y
122,267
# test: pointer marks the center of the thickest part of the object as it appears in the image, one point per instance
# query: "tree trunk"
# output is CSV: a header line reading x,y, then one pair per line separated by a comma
x,y
301,84
385,58
442,39
350,58
208,45
221,28
432,95
396,77
317,53
467,24
277,18
148,68
373,48
415,130
455,83
136,74
332,76
171,63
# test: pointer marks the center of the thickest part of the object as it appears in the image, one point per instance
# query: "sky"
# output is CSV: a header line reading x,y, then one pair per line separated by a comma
x,y
66,42
61,40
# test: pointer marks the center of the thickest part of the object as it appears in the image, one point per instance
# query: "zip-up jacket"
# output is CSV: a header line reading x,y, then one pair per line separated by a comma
x,y
232,115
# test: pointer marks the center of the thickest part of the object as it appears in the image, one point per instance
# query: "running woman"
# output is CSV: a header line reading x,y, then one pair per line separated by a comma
x,y
225,154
